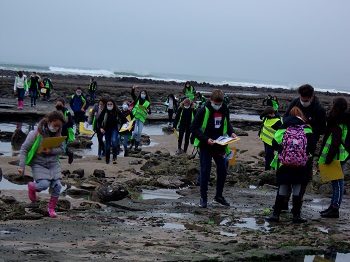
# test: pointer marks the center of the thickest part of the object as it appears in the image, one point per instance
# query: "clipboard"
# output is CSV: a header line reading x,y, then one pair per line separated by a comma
x,y
52,142
225,140
330,172
127,126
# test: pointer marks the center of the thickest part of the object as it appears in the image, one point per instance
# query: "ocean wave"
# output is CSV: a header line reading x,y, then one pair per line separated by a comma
x,y
77,71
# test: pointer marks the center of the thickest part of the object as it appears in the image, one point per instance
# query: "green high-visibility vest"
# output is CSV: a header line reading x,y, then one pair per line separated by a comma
x,y
274,105
189,93
267,132
70,131
178,124
47,84
32,152
275,164
343,153
204,126
140,111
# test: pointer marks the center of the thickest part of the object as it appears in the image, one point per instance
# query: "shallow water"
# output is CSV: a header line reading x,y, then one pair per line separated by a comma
x,y
246,117
177,226
250,223
336,257
159,194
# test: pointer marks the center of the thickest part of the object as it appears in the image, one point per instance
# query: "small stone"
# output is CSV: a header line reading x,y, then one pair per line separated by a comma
x,y
79,172
99,173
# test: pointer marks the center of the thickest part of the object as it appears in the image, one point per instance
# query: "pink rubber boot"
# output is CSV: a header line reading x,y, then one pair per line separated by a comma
x,y
52,205
21,103
32,192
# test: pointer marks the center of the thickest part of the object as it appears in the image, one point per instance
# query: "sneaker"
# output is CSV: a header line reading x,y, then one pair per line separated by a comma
x,y
326,210
273,218
297,219
203,203
114,161
99,158
331,213
221,200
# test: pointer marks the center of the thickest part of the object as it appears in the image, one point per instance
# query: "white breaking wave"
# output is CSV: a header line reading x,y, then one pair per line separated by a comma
x,y
76,71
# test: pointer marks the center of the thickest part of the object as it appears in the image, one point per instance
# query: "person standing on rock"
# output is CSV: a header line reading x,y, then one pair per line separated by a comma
x,y
34,88
96,114
67,128
171,104
183,121
77,104
189,91
19,88
45,164
92,90
271,122
294,143
140,111
109,123
336,146
211,122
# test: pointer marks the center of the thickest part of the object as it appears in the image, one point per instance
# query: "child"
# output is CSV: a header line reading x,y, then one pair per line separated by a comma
x,y
19,88
211,122
270,124
95,116
109,127
183,121
171,108
294,142
45,164
141,109
77,104
126,134
336,146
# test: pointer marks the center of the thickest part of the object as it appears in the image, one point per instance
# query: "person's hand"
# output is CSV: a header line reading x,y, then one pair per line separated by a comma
x,y
102,130
211,142
20,171
233,135
83,110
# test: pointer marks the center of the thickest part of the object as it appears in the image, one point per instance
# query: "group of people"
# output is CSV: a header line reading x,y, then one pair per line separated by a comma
x,y
290,148
290,142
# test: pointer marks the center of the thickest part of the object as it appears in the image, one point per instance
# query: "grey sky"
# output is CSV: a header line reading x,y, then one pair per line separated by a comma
x,y
272,40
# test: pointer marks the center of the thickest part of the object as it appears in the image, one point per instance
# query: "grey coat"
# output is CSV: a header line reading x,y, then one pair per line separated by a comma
x,y
44,166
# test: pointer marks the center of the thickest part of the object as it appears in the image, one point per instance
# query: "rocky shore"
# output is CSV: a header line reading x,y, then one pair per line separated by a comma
x,y
145,208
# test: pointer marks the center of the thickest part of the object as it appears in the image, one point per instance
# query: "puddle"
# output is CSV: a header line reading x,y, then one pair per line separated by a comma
x,y
227,234
176,226
159,194
247,117
171,215
250,223
334,257
252,187
225,221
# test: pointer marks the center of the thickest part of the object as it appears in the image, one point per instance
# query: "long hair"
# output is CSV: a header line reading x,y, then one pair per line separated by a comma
x,y
296,111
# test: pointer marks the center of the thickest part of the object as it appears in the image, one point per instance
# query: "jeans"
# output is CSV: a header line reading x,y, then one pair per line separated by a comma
x,y
136,134
33,96
338,191
187,132
112,138
125,137
43,184
205,168
20,94
269,155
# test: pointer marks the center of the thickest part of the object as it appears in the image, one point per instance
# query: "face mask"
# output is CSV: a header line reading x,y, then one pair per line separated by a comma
x,y
125,107
100,107
52,128
305,104
109,108
216,107
143,96
186,107
78,93
59,107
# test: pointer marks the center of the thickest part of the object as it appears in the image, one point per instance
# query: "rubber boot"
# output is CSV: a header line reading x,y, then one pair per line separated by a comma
x,y
333,212
32,192
18,104
51,207
296,210
326,210
126,152
70,156
275,217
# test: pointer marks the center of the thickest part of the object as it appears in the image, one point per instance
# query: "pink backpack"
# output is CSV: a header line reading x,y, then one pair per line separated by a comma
x,y
294,147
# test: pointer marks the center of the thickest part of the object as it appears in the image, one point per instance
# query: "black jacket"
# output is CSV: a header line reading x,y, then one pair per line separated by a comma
x,y
69,121
186,117
315,114
111,119
211,131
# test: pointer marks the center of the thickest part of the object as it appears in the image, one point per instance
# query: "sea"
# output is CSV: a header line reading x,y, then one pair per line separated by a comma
x,y
181,78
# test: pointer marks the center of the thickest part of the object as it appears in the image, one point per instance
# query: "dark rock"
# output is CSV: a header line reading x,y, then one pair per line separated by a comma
x,y
9,200
89,205
78,192
63,205
145,140
99,173
17,179
5,136
65,172
135,162
114,192
18,138
81,142
79,172
88,186
267,177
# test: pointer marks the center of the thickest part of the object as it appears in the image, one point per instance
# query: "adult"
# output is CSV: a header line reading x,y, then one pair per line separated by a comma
x,y
189,91
140,111
77,104
19,88
34,88
211,122
95,116
171,104
48,86
92,90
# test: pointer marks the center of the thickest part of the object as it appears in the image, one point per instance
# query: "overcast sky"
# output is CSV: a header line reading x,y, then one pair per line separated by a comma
x,y
295,41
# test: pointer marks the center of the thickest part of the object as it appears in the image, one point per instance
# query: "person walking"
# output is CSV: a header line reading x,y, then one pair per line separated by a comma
x,y
336,147
126,134
211,122
19,88
189,91
294,143
34,88
44,162
92,90
77,104
171,108
96,114
48,86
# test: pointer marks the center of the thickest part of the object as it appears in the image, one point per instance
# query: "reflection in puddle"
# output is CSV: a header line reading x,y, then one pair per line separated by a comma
x,y
334,257
174,226
246,117
159,194
227,234
172,215
250,223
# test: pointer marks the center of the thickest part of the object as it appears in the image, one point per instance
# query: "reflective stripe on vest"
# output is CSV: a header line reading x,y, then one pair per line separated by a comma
x,y
204,126
140,111
32,152
343,153
189,93
267,132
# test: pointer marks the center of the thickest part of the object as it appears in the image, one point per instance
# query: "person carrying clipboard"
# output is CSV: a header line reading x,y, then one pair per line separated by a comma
x,y
43,160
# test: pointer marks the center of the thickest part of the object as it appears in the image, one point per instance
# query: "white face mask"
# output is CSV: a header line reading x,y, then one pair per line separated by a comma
x,y
109,108
216,107
125,107
305,104
186,107
78,93
143,96
52,128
